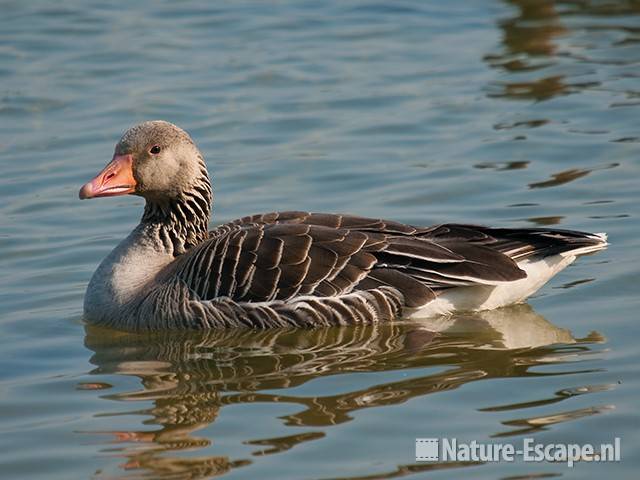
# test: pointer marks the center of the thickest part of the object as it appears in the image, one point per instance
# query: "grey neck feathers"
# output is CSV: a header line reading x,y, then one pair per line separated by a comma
x,y
181,222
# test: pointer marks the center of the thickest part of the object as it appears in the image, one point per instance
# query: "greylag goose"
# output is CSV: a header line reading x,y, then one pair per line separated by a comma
x,y
294,268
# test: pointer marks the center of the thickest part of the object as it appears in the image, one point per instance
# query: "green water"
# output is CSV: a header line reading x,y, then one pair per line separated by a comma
x,y
512,113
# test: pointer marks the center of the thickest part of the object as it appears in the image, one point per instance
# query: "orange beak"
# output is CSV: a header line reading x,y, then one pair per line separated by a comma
x,y
115,179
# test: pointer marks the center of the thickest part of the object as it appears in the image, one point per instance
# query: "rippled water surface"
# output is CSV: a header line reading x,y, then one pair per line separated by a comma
x,y
514,113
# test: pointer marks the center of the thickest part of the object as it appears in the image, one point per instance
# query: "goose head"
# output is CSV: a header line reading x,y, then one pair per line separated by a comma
x,y
156,160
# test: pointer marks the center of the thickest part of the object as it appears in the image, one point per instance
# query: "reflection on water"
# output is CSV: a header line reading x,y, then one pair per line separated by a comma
x,y
533,47
515,165
567,176
190,378
546,221
531,31
528,39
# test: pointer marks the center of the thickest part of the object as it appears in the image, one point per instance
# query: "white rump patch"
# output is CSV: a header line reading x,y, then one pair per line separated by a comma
x,y
488,297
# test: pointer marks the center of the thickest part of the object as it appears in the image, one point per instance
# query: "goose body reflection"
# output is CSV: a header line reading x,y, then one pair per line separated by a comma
x,y
507,328
188,379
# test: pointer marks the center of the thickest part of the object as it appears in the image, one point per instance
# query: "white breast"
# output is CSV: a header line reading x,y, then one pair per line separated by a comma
x,y
123,275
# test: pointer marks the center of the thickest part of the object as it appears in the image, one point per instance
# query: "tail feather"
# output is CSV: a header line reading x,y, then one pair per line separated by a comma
x,y
520,243
598,242
534,242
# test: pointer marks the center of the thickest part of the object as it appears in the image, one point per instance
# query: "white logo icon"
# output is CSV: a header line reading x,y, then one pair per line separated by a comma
x,y
427,449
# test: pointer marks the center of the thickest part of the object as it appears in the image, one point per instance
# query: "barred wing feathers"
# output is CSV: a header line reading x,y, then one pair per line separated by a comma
x,y
280,256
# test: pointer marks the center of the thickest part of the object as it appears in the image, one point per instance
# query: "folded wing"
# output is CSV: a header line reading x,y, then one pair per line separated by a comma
x,y
280,256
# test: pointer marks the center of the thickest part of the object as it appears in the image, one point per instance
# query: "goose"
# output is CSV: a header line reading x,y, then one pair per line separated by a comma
x,y
294,268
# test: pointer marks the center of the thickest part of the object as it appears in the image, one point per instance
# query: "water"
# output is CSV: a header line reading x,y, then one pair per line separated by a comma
x,y
515,113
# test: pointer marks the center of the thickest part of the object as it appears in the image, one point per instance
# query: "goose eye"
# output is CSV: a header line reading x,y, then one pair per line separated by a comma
x,y
155,150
